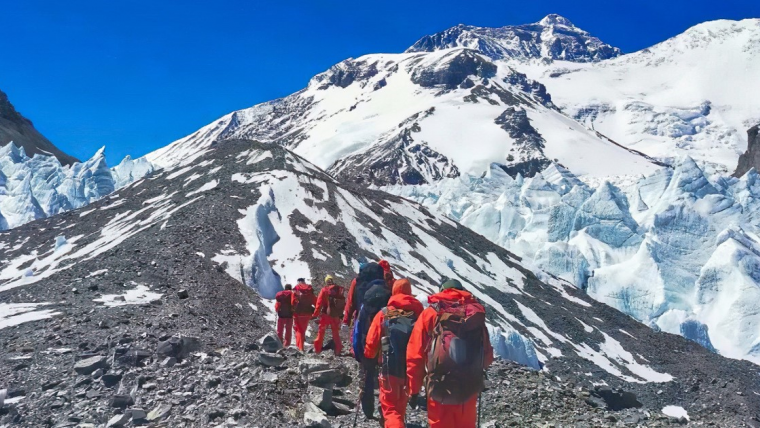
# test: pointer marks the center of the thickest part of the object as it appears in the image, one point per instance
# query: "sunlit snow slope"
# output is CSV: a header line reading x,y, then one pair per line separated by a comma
x,y
417,117
694,94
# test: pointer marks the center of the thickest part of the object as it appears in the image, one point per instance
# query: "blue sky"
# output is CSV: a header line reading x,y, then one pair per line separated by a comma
x,y
136,75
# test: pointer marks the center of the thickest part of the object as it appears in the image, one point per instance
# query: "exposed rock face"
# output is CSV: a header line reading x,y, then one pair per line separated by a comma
x,y
750,158
554,37
15,127
401,160
453,71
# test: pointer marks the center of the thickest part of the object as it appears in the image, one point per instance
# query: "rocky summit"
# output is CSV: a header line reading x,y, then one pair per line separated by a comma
x,y
151,307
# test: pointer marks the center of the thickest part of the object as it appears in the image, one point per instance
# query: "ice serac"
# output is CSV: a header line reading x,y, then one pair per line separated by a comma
x,y
751,158
38,187
17,129
661,249
552,38
130,170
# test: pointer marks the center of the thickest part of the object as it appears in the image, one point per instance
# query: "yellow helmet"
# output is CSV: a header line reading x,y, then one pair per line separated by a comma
x,y
329,279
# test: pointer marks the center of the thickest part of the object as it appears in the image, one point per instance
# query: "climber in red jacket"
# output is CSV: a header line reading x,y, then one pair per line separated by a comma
x,y
329,308
303,307
399,315
284,308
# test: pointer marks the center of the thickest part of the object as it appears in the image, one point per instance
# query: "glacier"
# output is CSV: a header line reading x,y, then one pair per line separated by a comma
x,y
678,250
39,186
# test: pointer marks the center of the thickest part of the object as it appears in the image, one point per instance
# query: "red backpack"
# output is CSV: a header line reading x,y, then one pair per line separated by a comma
x,y
336,301
304,300
285,306
455,358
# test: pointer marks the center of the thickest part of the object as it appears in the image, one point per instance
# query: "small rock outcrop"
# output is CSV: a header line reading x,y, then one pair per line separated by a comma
x,y
751,158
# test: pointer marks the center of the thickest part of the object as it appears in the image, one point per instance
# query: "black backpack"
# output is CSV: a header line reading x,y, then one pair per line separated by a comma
x,y
375,299
397,329
368,273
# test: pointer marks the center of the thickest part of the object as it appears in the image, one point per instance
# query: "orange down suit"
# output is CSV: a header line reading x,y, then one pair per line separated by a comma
x,y
440,415
301,320
393,393
326,320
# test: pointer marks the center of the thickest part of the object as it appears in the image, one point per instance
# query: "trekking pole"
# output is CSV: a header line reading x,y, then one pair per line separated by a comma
x,y
356,407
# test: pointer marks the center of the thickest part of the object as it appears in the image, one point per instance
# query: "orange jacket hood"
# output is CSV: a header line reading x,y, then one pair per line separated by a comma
x,y
451,294
406,302
402,286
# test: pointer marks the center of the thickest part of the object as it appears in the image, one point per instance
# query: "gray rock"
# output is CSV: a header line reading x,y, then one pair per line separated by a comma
x,y
89,365
121,401
312,365
314,416
270,343
161,411
118,420
178,347
271,360
751,158
169,362
183,294
137,413
270,377
325,378
321,397
110,379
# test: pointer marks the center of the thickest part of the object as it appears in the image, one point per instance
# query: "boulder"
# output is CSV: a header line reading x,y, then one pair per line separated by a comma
x,y
271,360
118,420
269,377
178,347
137,413
321,397
161,411
121,401
314,416
134,357
326,378
270,343
89,365
169,362
110,379
312,365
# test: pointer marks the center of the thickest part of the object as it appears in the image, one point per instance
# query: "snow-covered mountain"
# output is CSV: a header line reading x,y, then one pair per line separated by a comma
x,y
693,94
169,254
473,114
552,38
416,118
36,187
16,128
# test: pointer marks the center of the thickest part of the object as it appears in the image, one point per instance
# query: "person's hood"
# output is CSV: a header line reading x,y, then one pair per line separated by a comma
x,y
402,286
450,294
303,287
406,302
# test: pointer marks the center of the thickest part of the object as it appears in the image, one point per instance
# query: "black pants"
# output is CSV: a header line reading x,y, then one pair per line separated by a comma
x,y
369,373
